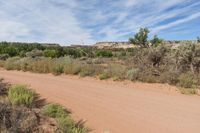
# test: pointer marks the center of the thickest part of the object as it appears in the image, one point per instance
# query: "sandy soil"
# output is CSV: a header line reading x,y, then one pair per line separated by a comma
x,y
117,107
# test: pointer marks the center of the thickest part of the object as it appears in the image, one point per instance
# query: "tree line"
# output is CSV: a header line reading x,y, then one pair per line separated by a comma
x,y
9,49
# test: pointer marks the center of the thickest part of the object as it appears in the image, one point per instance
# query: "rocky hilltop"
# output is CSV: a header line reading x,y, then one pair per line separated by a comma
x,y
172,43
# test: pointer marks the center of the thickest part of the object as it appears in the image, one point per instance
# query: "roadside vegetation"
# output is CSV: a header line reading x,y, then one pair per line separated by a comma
x,y
151,60
65,122
21,111
21,95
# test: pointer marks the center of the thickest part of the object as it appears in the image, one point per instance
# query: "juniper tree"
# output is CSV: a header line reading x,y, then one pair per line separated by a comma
x,y
140,38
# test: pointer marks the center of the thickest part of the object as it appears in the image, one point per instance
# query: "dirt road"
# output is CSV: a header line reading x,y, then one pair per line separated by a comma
x,y
116,107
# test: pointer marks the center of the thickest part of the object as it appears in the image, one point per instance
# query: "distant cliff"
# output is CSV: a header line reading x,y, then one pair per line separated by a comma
x,y
113,45
170,43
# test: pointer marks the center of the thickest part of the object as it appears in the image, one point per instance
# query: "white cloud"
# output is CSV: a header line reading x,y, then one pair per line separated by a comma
x,y
11,31
50,20
134,14
78,21
177,22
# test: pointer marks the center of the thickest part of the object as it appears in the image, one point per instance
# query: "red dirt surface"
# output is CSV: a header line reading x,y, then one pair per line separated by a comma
x,y
117,107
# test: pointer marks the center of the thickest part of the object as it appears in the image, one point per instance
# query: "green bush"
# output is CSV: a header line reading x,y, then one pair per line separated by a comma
x,y
11,51
65,123
104,53
54,110
50,53
21,95
156,41
140,38
76,53
187,80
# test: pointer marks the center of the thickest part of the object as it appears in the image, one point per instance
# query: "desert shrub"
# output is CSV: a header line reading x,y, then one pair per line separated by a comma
x,y
132,74
156,41
99,60
22,53
4,115
18,64
17,119
155,58
117,71
198,39
149,75
33,54
11,63
2,62
156,55
54,111
67,125
104,75
24,64
47,65
42,65
189,58
187,80
79,129
21,95
4,56
188,91
170,77
58,65
3,88
73,67
150,79
140,58
132,51
87,70
58,69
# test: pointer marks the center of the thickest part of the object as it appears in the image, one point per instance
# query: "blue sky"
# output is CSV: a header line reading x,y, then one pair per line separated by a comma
x,y
88,21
